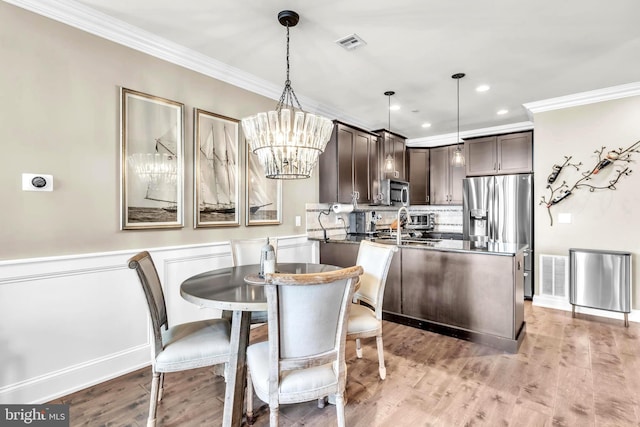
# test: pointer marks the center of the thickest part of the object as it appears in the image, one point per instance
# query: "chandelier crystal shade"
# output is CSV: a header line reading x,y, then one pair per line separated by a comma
x,y
457,160
287,140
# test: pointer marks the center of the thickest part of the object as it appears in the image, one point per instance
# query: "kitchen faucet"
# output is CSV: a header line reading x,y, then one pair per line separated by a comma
x,y
399,229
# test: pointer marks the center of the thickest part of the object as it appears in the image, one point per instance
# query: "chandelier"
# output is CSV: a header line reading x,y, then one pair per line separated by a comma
x,y
457,159
287,140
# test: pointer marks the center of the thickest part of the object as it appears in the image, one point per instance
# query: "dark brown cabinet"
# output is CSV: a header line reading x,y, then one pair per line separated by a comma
x,y
499,154
392,155
418,173
349,165
445,186
346,254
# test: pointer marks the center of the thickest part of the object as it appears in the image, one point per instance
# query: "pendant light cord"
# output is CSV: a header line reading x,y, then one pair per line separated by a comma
x,y
389,112
458,141
288,94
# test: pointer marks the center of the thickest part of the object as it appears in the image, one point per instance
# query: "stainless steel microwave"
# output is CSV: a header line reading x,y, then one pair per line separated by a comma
x,y
395,192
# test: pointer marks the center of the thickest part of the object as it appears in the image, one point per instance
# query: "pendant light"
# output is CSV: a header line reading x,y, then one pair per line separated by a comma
x,y
287,140
457,159
388,161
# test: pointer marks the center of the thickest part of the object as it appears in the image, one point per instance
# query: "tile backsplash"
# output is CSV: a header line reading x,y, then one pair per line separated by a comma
x,y
320,218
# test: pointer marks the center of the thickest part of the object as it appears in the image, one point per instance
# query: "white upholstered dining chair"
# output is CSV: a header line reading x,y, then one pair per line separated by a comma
x,y
365,317
247,251
180,347
303,359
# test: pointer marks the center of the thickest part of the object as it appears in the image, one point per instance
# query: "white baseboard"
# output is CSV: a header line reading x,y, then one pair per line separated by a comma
x,y
563,304
53,385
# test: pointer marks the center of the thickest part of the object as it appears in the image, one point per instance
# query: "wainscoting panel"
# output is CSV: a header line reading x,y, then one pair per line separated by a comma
x,y
74,321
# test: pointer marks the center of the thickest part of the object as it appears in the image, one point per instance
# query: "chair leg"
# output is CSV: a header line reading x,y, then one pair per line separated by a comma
x,y
250,418
322,402
153,400
273,416
340,409
161,387
358,349
382,369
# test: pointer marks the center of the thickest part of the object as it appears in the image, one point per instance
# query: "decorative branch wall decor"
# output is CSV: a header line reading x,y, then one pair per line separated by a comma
x,y
620,157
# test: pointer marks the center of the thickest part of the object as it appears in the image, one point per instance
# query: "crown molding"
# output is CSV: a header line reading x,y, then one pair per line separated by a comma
x,y
94,22
583,98
452,138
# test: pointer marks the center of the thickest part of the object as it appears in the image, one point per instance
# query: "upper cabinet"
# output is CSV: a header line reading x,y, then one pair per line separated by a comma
x,y
418,173
392,147
349,165
499,154
445,187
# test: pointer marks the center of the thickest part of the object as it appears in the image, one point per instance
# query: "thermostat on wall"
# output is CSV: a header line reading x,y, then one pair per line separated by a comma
x,y
37,182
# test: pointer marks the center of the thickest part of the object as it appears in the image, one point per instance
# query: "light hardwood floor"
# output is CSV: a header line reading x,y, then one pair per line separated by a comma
x,y
568,372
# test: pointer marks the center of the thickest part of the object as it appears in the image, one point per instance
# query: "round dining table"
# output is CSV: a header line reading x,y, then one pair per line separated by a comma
x,y
226,289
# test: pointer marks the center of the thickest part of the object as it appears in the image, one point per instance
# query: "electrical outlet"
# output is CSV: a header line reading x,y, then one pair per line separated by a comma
x,y
298,221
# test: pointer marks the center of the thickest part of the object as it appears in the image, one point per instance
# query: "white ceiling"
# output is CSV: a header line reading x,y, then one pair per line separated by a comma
x,y
525,50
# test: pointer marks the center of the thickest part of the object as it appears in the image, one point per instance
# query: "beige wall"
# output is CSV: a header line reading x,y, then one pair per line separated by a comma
x,y
60,103
603,219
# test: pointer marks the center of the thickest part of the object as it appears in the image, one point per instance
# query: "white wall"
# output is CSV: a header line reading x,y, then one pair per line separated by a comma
x,y
74,321
60,116
603,219
71,312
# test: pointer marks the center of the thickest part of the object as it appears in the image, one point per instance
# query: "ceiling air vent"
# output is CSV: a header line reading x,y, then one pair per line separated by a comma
x,y
351,41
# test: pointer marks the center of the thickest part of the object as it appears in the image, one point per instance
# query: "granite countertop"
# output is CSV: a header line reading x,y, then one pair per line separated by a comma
x,y
466,246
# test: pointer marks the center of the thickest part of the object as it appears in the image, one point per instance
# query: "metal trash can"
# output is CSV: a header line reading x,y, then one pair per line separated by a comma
x,y
600,279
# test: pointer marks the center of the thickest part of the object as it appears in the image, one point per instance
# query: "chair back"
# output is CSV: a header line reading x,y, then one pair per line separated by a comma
x,y
247,251
375,259
148,275
308,314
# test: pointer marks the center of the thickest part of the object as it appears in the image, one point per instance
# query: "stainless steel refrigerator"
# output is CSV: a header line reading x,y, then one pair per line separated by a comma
x,y
499,209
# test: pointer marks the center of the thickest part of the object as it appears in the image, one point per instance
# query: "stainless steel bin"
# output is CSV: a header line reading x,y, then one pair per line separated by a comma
x,y
600,279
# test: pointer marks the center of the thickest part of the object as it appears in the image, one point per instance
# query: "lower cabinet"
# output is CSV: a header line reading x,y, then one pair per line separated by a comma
x,y
346,254
474,296
476,292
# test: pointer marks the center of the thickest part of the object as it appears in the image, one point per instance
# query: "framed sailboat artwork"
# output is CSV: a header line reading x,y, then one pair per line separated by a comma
x,y
216,170
264,196
152,161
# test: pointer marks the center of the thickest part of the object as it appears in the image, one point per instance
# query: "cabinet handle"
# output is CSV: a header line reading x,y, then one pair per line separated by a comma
x,y
427,199
498,166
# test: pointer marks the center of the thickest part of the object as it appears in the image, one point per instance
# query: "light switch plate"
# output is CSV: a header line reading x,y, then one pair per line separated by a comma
x,y
37,182
564,218
298,221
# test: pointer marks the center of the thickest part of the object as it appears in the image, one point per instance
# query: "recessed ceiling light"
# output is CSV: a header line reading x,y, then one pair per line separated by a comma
x,y
483,88
502,112
426,125
395,107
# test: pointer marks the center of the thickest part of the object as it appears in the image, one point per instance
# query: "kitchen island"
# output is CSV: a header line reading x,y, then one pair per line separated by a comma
x,y
454,287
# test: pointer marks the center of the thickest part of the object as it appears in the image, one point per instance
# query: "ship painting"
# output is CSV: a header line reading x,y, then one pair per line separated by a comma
x,y
217,171
152,181
263,194
158,174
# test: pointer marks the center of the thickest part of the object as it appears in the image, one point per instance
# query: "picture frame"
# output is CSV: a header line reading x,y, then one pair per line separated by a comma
x,y
264,195
151,161
216,170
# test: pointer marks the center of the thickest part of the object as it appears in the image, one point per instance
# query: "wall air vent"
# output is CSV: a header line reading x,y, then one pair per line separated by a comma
x,y
554,276
351,42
